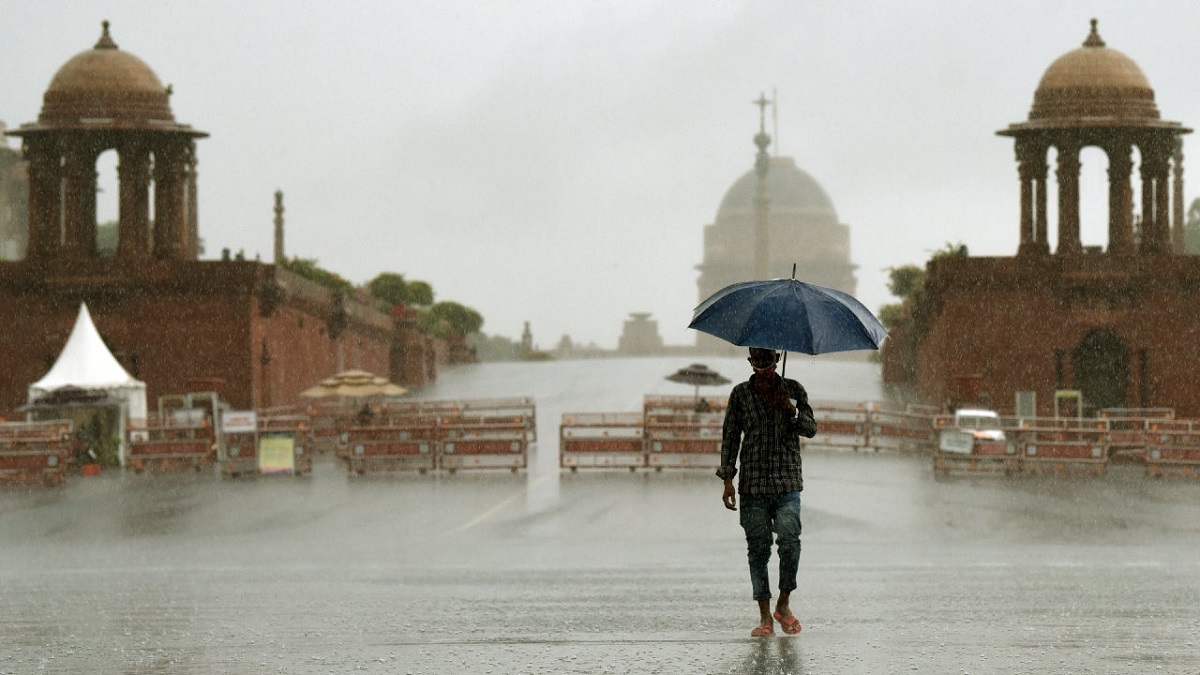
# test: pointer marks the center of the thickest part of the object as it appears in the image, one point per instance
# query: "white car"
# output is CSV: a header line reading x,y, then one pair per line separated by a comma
x,y
971,426
983,424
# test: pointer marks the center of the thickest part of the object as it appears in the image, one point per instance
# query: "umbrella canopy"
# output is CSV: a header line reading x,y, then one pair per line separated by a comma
x,y
354,384
698,375
789,315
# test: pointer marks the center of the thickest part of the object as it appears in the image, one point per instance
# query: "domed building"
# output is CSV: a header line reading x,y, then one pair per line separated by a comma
x,y
803,230
1110,324
108,99
171,319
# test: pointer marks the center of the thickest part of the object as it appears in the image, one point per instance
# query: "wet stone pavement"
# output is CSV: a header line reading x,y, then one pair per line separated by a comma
x,y
607,572
544,572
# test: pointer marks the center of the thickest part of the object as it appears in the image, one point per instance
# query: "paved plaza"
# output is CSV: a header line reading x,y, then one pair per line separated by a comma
x,y
596,572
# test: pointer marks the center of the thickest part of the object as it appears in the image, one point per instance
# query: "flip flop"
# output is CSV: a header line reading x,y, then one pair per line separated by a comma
x,y
763,631
790,624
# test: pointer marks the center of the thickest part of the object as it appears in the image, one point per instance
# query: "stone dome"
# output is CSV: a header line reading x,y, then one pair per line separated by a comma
x,y
105,85
790,189
1093,81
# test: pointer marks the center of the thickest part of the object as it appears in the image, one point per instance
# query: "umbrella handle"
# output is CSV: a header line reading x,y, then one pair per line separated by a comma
x,y
783,371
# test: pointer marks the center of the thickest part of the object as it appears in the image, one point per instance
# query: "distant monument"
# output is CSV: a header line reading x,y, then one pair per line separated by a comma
x,y
640,336
772,217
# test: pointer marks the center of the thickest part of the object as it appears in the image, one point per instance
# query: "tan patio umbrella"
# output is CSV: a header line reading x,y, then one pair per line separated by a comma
x,y
697,375
354,384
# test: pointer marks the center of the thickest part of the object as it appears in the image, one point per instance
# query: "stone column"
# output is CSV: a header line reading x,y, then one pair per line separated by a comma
x,y
280,258
1147,225
45,209
170,232
1069,242
134,177
1154,170
1025,175
1162,200
1040,228
87,224
1031,168
79,202
1178,244
1120,199
191,216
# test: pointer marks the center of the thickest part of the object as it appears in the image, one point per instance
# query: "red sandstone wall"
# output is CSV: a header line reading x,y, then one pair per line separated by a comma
x,y
171,324
301,353
162,334
1006,319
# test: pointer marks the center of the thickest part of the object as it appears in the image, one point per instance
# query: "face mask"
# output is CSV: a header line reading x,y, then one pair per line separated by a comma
x,y
765,372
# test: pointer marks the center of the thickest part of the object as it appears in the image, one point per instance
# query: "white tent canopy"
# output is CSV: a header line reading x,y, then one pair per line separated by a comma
x,y
86,363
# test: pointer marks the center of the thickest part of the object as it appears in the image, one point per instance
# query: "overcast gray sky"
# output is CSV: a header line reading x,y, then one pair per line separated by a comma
x,y
555,161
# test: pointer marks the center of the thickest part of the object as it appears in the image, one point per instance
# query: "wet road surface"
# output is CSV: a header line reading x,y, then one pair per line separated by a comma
x,y
596,573
605,572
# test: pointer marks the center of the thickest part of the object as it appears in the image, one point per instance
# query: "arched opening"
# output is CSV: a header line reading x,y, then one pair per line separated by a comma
x,y
1053,221
107,204
1101,365
1093,199
151,197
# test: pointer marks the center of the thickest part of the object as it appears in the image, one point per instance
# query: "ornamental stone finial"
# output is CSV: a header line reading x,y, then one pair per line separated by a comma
x,y
1093,38
105,41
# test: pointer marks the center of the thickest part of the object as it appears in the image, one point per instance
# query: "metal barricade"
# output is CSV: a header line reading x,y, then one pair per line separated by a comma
x,y
172,444
278,444
491,433
35,453
401,444
691,439
839,426
1173,452
466,445
601,440
512,413
903,431
1068,450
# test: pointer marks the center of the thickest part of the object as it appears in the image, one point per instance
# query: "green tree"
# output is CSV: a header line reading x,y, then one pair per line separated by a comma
x,y
949,250
396,290
906,281
309,269
106,239
420,293
494,347
450,318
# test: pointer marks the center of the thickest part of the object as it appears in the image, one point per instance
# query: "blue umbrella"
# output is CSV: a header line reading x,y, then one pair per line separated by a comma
x,y
789,315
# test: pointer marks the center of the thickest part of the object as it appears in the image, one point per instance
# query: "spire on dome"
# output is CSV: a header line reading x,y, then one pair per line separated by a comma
x,y
1093,38
105,41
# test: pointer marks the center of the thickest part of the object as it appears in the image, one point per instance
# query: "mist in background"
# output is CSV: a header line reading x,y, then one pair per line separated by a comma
x,y
556,162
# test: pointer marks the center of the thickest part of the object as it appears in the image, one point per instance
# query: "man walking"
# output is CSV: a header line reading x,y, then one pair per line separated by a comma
x,y
763,422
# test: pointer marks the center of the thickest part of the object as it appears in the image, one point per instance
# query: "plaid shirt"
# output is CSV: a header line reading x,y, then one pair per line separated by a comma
x,y
764,440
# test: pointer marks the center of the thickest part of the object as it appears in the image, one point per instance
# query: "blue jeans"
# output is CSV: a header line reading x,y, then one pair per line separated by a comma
x,y
760,516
